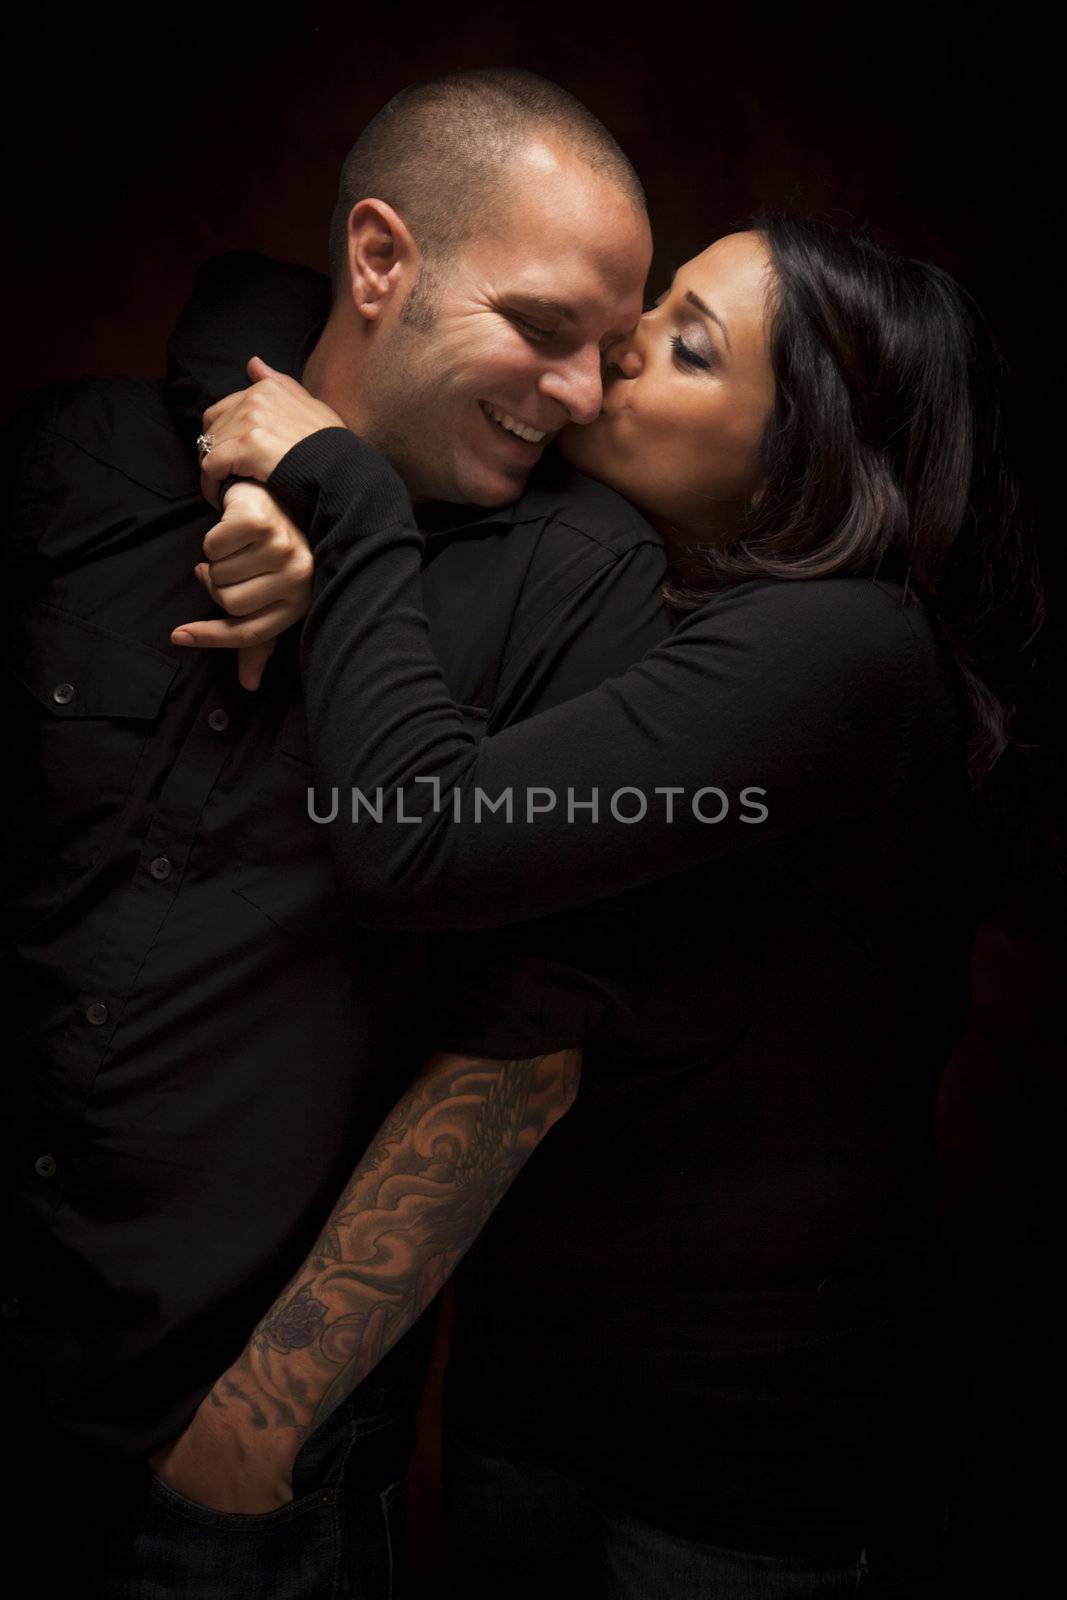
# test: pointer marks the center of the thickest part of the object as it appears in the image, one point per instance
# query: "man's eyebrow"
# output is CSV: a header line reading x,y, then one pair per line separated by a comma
x,y
552,308
695,300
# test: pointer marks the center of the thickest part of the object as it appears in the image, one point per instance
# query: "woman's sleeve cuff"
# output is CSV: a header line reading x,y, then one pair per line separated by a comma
x,y
335,473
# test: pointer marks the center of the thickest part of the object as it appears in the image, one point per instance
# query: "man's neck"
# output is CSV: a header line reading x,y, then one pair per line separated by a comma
x,y
334,371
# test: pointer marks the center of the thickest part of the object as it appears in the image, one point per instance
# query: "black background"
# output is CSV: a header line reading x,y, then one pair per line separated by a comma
x,y
139,141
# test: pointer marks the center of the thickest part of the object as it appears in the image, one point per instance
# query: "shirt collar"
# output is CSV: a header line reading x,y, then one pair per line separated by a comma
x,y
540,498
441,518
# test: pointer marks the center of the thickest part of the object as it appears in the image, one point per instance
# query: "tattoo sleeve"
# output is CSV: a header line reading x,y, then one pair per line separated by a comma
x,y
415,1203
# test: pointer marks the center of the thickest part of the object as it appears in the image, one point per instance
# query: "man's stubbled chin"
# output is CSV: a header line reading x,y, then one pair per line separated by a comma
x,y
585,447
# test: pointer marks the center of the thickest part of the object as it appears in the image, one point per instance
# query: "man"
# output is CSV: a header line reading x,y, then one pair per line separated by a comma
x,y
205,1044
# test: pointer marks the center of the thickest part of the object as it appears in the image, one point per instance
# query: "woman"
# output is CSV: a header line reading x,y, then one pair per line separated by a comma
x,y
697,1348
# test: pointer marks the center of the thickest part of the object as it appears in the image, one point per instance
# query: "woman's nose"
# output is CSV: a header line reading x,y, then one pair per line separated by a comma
x,y
624,355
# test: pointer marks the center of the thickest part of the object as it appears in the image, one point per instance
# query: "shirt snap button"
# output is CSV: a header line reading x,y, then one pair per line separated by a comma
x,y
63,694
97,1013
218,719
45,1166
160,868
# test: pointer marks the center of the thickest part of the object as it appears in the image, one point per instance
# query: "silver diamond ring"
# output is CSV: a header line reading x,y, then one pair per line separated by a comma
x,y
204,445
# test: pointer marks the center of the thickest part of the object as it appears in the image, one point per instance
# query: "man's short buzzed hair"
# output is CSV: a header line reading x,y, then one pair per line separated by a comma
x,y
439,151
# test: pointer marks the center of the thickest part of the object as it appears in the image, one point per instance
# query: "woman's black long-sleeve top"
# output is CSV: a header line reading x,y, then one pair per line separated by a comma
x,y
709,1295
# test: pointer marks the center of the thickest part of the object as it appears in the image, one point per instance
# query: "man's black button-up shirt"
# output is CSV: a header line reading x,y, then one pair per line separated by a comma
x,y
203,1041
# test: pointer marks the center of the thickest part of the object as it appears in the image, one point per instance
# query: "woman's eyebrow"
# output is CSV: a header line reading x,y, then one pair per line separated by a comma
x,y
695,300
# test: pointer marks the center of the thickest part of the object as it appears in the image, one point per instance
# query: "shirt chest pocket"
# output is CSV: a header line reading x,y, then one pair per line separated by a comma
x,y
85,702
287,864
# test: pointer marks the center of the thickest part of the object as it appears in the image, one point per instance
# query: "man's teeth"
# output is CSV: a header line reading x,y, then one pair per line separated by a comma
x,y
531,435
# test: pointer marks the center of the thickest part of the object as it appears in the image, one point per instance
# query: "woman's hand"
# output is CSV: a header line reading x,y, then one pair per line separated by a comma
x,y
258,569
249,432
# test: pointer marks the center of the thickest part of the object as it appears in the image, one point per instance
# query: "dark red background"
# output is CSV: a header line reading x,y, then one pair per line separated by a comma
x,y
140,141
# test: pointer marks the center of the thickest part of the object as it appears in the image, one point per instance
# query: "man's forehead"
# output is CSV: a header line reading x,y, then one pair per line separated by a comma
x,y
557,214
568,275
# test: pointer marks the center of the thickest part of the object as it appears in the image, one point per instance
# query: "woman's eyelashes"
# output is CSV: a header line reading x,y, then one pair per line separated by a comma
x,y
687,355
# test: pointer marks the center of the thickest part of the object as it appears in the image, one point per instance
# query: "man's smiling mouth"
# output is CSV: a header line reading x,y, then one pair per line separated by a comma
x,y
520,430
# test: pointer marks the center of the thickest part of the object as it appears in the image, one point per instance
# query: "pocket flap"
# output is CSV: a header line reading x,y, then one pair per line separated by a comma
x,y
76,669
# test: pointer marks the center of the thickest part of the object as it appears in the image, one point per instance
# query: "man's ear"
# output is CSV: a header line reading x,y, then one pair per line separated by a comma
x,y
382,255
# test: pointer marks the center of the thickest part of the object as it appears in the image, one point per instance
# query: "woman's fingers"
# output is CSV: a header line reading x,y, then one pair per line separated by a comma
x,y
251,431
245,598
215,415
261,558
258,369
251,662
252,561
253,453
258,570
228,536
233,633
252,517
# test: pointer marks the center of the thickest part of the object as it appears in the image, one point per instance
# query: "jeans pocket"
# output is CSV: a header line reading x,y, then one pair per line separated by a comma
x,y
173,1549
235,1521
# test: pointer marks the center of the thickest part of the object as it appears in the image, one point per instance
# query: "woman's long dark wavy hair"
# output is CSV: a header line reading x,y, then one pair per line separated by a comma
x,y
887,454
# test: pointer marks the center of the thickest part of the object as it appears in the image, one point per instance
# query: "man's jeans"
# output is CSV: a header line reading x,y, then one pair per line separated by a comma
x,y
341,1537
522,1531
99,1528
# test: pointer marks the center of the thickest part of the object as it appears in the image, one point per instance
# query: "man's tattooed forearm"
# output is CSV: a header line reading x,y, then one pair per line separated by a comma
x,y
293,1323
411,1209
499,1119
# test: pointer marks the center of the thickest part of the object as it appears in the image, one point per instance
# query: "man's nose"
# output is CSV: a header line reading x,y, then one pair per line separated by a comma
x,y
624,354
576,384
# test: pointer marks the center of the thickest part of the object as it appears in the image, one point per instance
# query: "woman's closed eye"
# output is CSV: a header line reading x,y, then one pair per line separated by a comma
x,y
687,355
